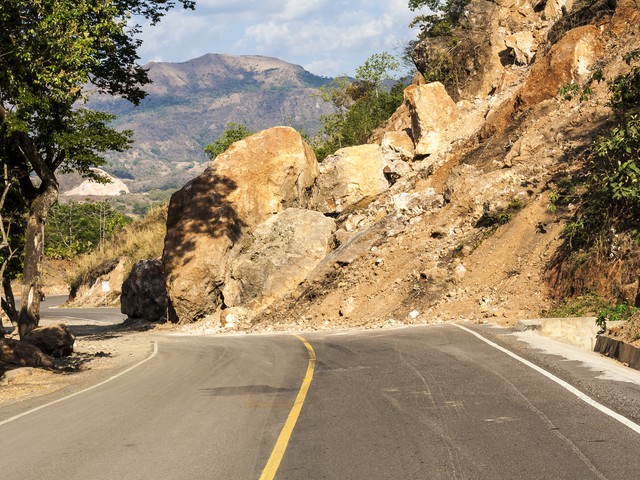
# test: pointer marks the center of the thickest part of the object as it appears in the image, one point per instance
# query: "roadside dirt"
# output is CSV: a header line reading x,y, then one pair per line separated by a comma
x,y
100,352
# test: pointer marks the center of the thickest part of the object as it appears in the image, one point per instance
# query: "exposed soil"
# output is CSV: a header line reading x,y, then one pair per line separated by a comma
x,y
99,353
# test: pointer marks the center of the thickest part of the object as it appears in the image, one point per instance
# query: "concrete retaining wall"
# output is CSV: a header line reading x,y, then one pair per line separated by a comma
x,y
623,352
579,331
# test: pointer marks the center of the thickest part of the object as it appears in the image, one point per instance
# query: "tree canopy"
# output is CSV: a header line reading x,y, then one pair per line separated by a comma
x,y
75,228
361,105
445,16
53,54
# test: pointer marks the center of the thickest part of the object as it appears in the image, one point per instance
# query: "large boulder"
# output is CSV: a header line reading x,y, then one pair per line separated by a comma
x,y
144,293
56,340
399,145
278,257
568,61
255,178
432,110
16,353
349,176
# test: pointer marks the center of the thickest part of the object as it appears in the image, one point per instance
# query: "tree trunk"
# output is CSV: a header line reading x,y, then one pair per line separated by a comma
x,y
9,306
39,207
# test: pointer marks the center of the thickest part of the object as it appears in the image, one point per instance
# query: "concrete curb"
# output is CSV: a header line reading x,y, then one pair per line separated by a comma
x,y
578,331
583,332
621,351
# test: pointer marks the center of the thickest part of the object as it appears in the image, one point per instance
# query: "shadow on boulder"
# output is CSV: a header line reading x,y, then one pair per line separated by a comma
x,y
56,340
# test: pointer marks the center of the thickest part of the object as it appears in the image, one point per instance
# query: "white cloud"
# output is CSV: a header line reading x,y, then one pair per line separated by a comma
x,y
300,9
329,37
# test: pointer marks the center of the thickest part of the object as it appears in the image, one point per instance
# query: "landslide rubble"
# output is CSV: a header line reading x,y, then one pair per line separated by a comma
x,y
445,215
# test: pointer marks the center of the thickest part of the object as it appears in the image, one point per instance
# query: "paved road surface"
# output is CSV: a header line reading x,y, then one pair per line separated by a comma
x,y
50,311
429,402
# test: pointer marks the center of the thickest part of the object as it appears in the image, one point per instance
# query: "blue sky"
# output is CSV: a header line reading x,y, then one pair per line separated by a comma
x,y
327,37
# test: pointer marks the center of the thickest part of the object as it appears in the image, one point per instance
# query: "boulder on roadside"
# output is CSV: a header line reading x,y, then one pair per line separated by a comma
x,y
350,175
17,353
278,257
144,294
56,340
255,178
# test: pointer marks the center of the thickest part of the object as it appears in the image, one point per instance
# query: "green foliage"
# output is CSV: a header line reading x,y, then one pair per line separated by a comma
x,y
75,228
445,16
361,106
233,133
614,313
579,306
612,199
495,219
569,90
377,68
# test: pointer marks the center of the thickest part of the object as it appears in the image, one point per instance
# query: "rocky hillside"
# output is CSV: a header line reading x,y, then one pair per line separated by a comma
x,y
457,210
190,103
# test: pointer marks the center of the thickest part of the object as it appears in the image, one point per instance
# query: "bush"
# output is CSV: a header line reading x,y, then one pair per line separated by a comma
x,y
612,198
234,133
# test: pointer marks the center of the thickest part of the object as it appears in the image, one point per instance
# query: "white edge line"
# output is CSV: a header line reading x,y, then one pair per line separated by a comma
x,y
585,398
28,412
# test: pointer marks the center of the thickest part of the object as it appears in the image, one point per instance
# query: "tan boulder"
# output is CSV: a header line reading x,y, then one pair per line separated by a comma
x,y
350,175
626,16
553,8
399,121
398,144
432,110
254,179
278,256
568,61
523,45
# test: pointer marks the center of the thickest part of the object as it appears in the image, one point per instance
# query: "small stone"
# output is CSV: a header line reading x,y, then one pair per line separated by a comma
x,y
414,314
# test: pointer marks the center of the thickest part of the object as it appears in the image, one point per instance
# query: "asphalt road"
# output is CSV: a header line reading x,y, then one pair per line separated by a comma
x,y
431,402
50,311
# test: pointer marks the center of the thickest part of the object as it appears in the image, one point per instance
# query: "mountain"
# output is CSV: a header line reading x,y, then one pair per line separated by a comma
x,y
189,105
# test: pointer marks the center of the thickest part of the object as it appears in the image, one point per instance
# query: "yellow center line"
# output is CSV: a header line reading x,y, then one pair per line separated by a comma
x,y
271,468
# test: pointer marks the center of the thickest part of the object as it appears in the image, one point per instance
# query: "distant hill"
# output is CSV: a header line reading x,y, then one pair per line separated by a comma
x,y
190,103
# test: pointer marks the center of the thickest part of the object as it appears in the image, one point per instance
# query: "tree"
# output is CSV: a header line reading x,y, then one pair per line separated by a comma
x,y
445,16
375,69
75,228
234,133
51,50
12,227
361,105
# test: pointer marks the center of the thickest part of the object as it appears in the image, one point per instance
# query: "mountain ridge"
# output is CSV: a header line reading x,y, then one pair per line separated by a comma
x,y
190,103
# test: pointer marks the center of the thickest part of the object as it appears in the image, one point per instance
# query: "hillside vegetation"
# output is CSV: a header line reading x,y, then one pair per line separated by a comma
x,y
142,239
190,104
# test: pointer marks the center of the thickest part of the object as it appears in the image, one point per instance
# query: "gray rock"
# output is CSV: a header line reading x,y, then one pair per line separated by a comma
x,y
56,340
144,294
22,354
282,251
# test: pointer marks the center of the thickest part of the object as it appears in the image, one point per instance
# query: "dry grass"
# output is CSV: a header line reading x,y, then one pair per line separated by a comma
x,y
140,240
